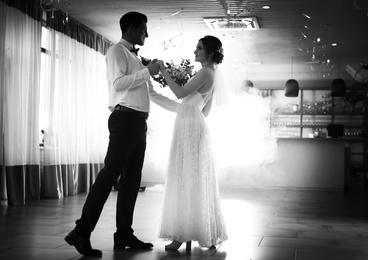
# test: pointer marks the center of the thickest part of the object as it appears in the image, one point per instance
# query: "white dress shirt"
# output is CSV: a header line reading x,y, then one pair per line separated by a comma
x,y
127,78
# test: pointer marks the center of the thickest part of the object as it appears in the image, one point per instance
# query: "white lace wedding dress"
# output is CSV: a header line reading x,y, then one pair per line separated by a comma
x,y
191,207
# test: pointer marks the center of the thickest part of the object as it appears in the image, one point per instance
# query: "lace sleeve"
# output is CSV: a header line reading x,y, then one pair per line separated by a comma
x,y
161,100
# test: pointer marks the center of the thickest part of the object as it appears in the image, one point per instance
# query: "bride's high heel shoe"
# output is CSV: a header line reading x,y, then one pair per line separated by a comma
x,y
175,245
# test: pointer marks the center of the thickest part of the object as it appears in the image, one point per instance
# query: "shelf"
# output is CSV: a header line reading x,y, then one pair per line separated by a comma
x,y
316,109
316,126
291,126
315,114
353,139
353,126
360,113
313,126
285,114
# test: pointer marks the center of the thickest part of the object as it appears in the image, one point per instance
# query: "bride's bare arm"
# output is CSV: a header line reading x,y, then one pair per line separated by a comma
x,y
161,100
194,84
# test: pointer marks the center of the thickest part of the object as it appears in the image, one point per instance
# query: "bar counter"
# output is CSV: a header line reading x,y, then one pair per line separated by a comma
x,y
312,163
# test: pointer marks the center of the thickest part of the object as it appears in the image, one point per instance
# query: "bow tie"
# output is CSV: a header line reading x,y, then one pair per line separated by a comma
x,y
135,50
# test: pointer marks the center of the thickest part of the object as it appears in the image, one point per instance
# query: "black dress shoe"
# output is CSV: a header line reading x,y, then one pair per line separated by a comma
x,y
83,245
132,241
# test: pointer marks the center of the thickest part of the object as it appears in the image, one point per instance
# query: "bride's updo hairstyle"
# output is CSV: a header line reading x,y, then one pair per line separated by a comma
x,y
213,46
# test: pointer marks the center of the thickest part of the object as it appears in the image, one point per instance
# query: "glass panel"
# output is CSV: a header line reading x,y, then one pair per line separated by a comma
x,y
352,102
317,102
281,104
43,71
44,37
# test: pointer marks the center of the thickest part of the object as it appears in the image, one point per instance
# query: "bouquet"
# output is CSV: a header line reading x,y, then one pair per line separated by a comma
x,y
179,73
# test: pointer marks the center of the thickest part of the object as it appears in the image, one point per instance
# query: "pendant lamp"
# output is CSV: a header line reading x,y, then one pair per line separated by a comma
x,y
248,86
338,86
292,86
248,83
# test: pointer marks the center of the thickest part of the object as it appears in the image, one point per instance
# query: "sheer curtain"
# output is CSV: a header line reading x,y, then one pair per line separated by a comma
x,y
75,115
62,91
2,87
20,41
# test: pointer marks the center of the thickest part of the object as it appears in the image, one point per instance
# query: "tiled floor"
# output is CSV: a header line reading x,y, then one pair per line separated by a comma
x,y
263,224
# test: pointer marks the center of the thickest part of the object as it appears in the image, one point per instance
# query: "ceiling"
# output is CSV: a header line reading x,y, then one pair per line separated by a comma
x,y
282,48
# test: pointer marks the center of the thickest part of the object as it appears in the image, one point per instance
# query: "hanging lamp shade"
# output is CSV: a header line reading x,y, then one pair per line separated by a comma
x,y
338,88
291,88
248,83
247,86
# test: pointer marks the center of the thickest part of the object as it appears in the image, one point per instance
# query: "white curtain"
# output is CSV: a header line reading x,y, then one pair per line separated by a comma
x,y
20,42
2,86
74,115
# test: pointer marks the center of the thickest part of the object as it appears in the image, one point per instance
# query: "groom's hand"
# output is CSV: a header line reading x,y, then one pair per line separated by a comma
x,y
153,67
162,65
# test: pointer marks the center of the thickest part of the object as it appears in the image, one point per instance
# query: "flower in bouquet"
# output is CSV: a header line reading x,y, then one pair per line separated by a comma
x,y
180,73
145,61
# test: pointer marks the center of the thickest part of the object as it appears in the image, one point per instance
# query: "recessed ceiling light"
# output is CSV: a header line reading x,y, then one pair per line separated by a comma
x,y
305,15
266,7
178,12
256,62
334,44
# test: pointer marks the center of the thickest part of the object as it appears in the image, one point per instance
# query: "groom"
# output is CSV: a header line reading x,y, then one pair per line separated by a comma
x,y
129,102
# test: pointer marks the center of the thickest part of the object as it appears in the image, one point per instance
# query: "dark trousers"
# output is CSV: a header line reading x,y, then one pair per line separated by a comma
x,y
124,158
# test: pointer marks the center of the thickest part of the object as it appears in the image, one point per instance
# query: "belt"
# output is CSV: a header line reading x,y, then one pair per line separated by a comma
x,y
129,110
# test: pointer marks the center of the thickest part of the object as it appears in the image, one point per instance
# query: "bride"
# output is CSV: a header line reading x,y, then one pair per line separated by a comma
x,y
191,206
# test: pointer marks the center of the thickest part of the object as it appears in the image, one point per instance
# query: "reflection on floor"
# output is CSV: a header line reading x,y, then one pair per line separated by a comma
x,y
263,224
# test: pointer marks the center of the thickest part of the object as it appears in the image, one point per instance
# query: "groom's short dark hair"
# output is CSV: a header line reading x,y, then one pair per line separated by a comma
x,y
132,18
